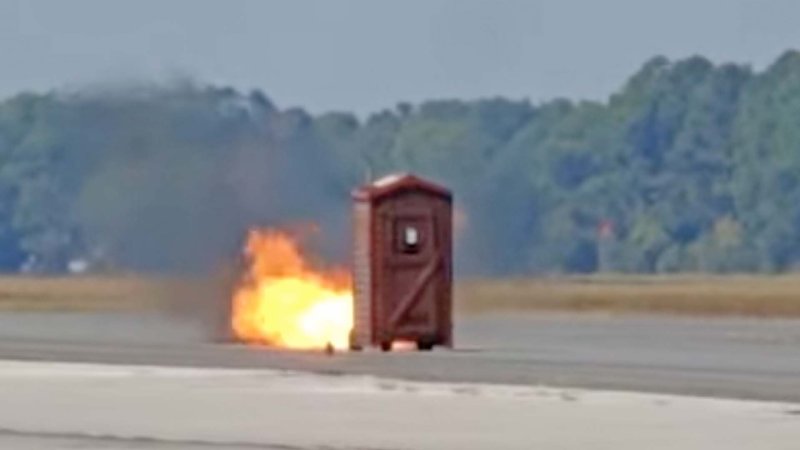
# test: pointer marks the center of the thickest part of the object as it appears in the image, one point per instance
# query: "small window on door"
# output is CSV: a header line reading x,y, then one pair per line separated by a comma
x,y
410,239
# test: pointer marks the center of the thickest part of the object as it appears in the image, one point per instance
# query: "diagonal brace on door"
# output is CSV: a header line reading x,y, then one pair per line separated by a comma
x,y
411,299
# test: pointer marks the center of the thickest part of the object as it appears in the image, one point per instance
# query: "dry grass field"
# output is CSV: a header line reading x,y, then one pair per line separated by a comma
x,y
31,293
767,296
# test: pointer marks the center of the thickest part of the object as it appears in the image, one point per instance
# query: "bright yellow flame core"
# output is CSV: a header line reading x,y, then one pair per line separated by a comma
x,y
283,302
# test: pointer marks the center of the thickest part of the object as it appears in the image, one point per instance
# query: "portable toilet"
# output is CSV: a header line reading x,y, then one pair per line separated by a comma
x,y
402,263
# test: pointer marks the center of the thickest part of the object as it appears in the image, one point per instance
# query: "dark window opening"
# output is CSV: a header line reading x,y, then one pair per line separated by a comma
x,y
410,239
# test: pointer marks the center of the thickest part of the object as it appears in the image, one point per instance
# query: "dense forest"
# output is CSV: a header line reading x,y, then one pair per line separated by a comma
x,y
690,166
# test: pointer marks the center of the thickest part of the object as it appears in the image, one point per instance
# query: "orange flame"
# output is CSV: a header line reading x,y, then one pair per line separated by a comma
x,y
284,302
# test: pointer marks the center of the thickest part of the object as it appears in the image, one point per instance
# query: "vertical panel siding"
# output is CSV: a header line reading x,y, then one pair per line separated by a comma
x,y
362,277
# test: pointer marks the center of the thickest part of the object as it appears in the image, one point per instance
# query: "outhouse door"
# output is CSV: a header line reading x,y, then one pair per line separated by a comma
x,y
414,265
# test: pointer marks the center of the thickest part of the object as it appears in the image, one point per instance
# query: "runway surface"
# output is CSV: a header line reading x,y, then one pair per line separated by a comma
x,y
732,358
60,406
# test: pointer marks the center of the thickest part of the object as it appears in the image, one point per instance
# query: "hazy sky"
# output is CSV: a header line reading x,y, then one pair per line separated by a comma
x,y
367,54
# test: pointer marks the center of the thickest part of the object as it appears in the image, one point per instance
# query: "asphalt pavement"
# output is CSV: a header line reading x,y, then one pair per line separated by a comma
x,y
714,357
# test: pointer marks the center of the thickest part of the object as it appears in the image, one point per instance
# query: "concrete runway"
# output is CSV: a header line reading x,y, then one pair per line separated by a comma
x,y
61,406
732,358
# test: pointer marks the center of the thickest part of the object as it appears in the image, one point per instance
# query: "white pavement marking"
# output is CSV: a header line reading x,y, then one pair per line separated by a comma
x,y
250,408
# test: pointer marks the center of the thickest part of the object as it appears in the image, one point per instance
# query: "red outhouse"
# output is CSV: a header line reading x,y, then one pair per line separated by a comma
x,y
402,263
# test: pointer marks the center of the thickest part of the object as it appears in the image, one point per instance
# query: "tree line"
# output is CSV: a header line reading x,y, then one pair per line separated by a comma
x,y
689,166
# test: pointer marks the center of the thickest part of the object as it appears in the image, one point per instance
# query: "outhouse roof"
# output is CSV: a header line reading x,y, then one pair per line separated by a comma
x,y
396,182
